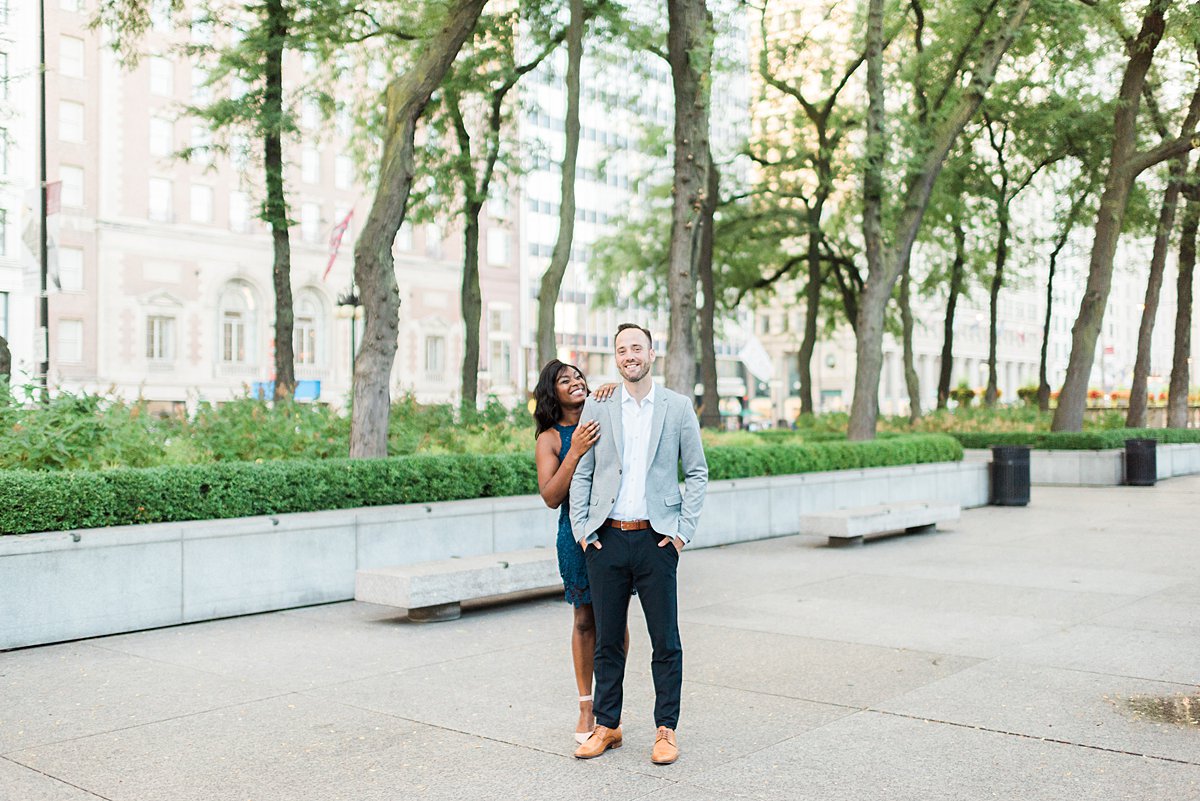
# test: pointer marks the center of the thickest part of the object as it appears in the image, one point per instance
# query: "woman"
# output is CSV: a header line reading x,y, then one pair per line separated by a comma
x,y
561,442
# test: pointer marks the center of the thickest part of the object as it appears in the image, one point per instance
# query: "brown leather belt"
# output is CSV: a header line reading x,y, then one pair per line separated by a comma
x,y
628,525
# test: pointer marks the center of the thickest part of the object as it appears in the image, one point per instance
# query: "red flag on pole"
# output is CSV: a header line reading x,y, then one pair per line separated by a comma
x,y
335,241
53,197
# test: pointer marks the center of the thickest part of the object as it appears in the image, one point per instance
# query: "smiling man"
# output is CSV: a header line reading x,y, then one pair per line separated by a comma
x,y
632,521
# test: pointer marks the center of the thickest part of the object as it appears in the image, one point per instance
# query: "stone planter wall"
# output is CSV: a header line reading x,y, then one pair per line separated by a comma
x,y
1098,468
69,585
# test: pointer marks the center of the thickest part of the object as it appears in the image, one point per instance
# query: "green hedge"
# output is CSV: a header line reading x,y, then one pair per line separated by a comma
x,y
62,500
1076,441
781,460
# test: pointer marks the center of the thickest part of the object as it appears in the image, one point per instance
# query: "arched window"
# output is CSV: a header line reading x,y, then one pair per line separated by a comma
x,y
308,328
239,310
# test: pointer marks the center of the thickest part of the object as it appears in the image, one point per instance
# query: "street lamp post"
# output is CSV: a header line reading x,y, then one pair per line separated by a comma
x,y
350,308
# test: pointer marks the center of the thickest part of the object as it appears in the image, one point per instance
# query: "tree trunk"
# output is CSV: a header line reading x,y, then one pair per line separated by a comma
x,y
1043,379
5,361
1073,397
1136,416
689,46
471,300
275,209
946,370
886,265
374,270
812,309
864,408
911,381
553,277
993,391
1177,393
710,404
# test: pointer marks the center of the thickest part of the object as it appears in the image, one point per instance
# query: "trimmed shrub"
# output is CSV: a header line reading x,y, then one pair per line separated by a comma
x,y
1071,441
779,460
63,500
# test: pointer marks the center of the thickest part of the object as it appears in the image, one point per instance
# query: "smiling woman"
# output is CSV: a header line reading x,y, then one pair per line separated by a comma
x,y
561,442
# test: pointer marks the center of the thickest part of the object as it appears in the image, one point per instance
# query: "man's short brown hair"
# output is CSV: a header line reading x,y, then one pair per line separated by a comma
x,y
626,326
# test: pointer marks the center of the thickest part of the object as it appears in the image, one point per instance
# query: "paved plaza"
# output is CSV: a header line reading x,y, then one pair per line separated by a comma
x,y
1049,652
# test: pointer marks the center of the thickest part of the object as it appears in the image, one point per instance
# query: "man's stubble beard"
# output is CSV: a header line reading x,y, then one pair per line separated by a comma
x,y
645,369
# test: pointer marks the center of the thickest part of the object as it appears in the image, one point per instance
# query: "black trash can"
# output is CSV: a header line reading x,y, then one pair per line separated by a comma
x,y
1010,475
1141,462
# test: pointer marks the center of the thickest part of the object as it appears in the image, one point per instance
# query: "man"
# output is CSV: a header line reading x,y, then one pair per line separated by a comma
x,y
630,519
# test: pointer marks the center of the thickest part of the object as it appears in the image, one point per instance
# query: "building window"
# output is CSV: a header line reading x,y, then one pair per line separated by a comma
x,y
435,357
343,172
310,166
501,362
239,212
3,151
201,145
433,241
162,77
70,57
3,232
70,269
162,137
498,246
238,306
498,201
72,186
201,91
404,237
70,341
4,315
70,121
310,222
70,5
202,204
304,331
3,76
160,338
499,320
162,203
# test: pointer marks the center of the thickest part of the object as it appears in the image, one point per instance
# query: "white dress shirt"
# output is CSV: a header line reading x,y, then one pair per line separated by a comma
x,y
636,420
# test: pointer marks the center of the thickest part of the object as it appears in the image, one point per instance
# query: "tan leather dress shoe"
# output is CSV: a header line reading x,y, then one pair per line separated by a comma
x,y
602,739
665,750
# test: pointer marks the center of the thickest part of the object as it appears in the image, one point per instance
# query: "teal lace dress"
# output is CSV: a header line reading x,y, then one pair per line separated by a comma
x,y
571,564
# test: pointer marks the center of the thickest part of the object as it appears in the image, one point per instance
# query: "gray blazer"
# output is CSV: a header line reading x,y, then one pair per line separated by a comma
x,y
675,438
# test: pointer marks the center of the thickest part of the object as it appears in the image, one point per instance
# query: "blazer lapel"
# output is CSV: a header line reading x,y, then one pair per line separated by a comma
x,y
656,422
614,416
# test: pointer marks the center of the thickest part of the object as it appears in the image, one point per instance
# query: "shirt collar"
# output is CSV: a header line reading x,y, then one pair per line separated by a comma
x,y
627,398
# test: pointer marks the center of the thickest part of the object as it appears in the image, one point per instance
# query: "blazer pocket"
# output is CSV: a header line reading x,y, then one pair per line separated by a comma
x,y
673,500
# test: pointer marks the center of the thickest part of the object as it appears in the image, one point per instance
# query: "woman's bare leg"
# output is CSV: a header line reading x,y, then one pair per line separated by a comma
x,y
583,653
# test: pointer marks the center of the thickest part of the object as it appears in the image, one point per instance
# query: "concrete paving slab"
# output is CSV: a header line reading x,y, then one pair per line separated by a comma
x,y
991,566
527,696
1120,652
290,652
1070,705
25,784
871,623
871,756
832,672
917,668
73,690
301,748
964,597
1177,614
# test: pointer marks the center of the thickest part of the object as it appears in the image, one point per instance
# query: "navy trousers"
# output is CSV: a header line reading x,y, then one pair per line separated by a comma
x,y
632,560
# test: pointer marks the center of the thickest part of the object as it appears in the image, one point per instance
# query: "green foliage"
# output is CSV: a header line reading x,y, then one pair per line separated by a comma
x,y
84,499
63,500
777,460
1069,440
963,394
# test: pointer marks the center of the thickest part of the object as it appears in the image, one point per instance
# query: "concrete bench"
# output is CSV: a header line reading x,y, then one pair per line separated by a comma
x,y
849,526
433,591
